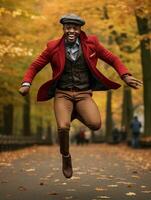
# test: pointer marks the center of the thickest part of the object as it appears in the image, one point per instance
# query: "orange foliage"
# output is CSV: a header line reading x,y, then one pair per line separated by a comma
x,y
26,28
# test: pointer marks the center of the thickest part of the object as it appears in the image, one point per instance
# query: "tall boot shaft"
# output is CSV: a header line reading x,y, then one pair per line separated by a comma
x,y
63,134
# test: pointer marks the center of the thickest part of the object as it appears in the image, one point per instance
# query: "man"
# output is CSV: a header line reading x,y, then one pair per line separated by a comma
x,y
135,127
73,59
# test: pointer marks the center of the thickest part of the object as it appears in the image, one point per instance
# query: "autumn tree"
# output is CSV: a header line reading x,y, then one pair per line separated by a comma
x,y
26,28
144,28
127,110
109,122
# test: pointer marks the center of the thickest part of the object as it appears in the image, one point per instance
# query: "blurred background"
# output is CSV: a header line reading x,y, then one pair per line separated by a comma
x,y
26,27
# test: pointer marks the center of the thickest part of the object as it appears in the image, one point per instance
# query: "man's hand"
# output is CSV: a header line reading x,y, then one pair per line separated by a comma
x,y
24,90
132,82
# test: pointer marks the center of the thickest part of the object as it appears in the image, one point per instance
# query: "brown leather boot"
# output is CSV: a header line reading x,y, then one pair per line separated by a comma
x,y
67,166
64,150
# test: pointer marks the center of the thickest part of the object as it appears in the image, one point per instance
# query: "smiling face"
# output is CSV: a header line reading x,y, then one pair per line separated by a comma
x,y
72,32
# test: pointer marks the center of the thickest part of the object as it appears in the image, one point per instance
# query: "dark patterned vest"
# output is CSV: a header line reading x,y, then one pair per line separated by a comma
x,y
75,74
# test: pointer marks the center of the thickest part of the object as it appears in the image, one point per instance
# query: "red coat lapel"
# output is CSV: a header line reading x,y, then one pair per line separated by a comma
x,y
61,54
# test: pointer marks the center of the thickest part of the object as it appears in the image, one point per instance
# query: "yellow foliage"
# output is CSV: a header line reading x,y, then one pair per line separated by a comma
x,y
28,26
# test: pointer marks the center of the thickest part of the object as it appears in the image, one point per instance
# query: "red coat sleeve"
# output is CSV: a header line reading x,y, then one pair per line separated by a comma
x,y
40,62
111,59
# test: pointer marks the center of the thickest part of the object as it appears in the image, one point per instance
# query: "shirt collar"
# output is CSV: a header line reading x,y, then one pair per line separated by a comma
x,y
77,43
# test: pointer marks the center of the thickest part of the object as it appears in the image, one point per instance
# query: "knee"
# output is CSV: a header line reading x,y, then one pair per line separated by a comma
x,y
95,126
63,126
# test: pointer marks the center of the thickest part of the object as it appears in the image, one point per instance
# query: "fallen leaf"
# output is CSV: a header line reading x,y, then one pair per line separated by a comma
x,y
55,169
111,176
143,186
76,168
131,194
52,193
49,176
103,197
112,185
44,179
56,180
22,188
64,184
2,164
146,191
98,189
126,183
134,176
30,170
75,177
129,185
69,197
134,172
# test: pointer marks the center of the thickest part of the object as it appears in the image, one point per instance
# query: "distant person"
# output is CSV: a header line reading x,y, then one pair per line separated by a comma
x,y
135,127
123,134
87,136
77,138
115,135
73,59
82,136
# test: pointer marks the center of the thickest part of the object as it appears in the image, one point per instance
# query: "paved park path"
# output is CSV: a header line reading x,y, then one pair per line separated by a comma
x,y
100,172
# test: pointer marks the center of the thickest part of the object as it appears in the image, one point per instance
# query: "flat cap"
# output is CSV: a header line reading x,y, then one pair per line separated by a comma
x,y
72,18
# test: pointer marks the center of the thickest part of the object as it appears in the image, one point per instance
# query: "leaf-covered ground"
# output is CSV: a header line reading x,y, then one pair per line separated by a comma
x,y
100,172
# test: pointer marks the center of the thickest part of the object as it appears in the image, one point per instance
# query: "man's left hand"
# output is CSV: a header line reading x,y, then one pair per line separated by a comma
x,y
132,81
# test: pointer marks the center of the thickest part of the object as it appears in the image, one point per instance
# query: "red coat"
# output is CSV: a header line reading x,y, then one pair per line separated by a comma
x,y
55,55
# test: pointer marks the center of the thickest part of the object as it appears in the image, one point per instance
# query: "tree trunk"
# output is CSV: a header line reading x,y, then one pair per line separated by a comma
x,y
26,117
1,119
49,134
109,122
143,28
40,128
8,119
127,110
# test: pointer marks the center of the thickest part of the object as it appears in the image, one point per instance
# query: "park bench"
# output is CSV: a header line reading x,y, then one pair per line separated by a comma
x,y
10,142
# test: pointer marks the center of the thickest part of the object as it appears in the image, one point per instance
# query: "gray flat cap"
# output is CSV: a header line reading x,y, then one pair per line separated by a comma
x,y
72,18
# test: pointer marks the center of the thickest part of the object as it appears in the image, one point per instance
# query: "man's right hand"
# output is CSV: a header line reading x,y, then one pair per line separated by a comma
x,y
24,90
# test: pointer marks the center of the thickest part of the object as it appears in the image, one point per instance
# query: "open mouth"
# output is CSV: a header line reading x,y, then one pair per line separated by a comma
x,y
71,37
